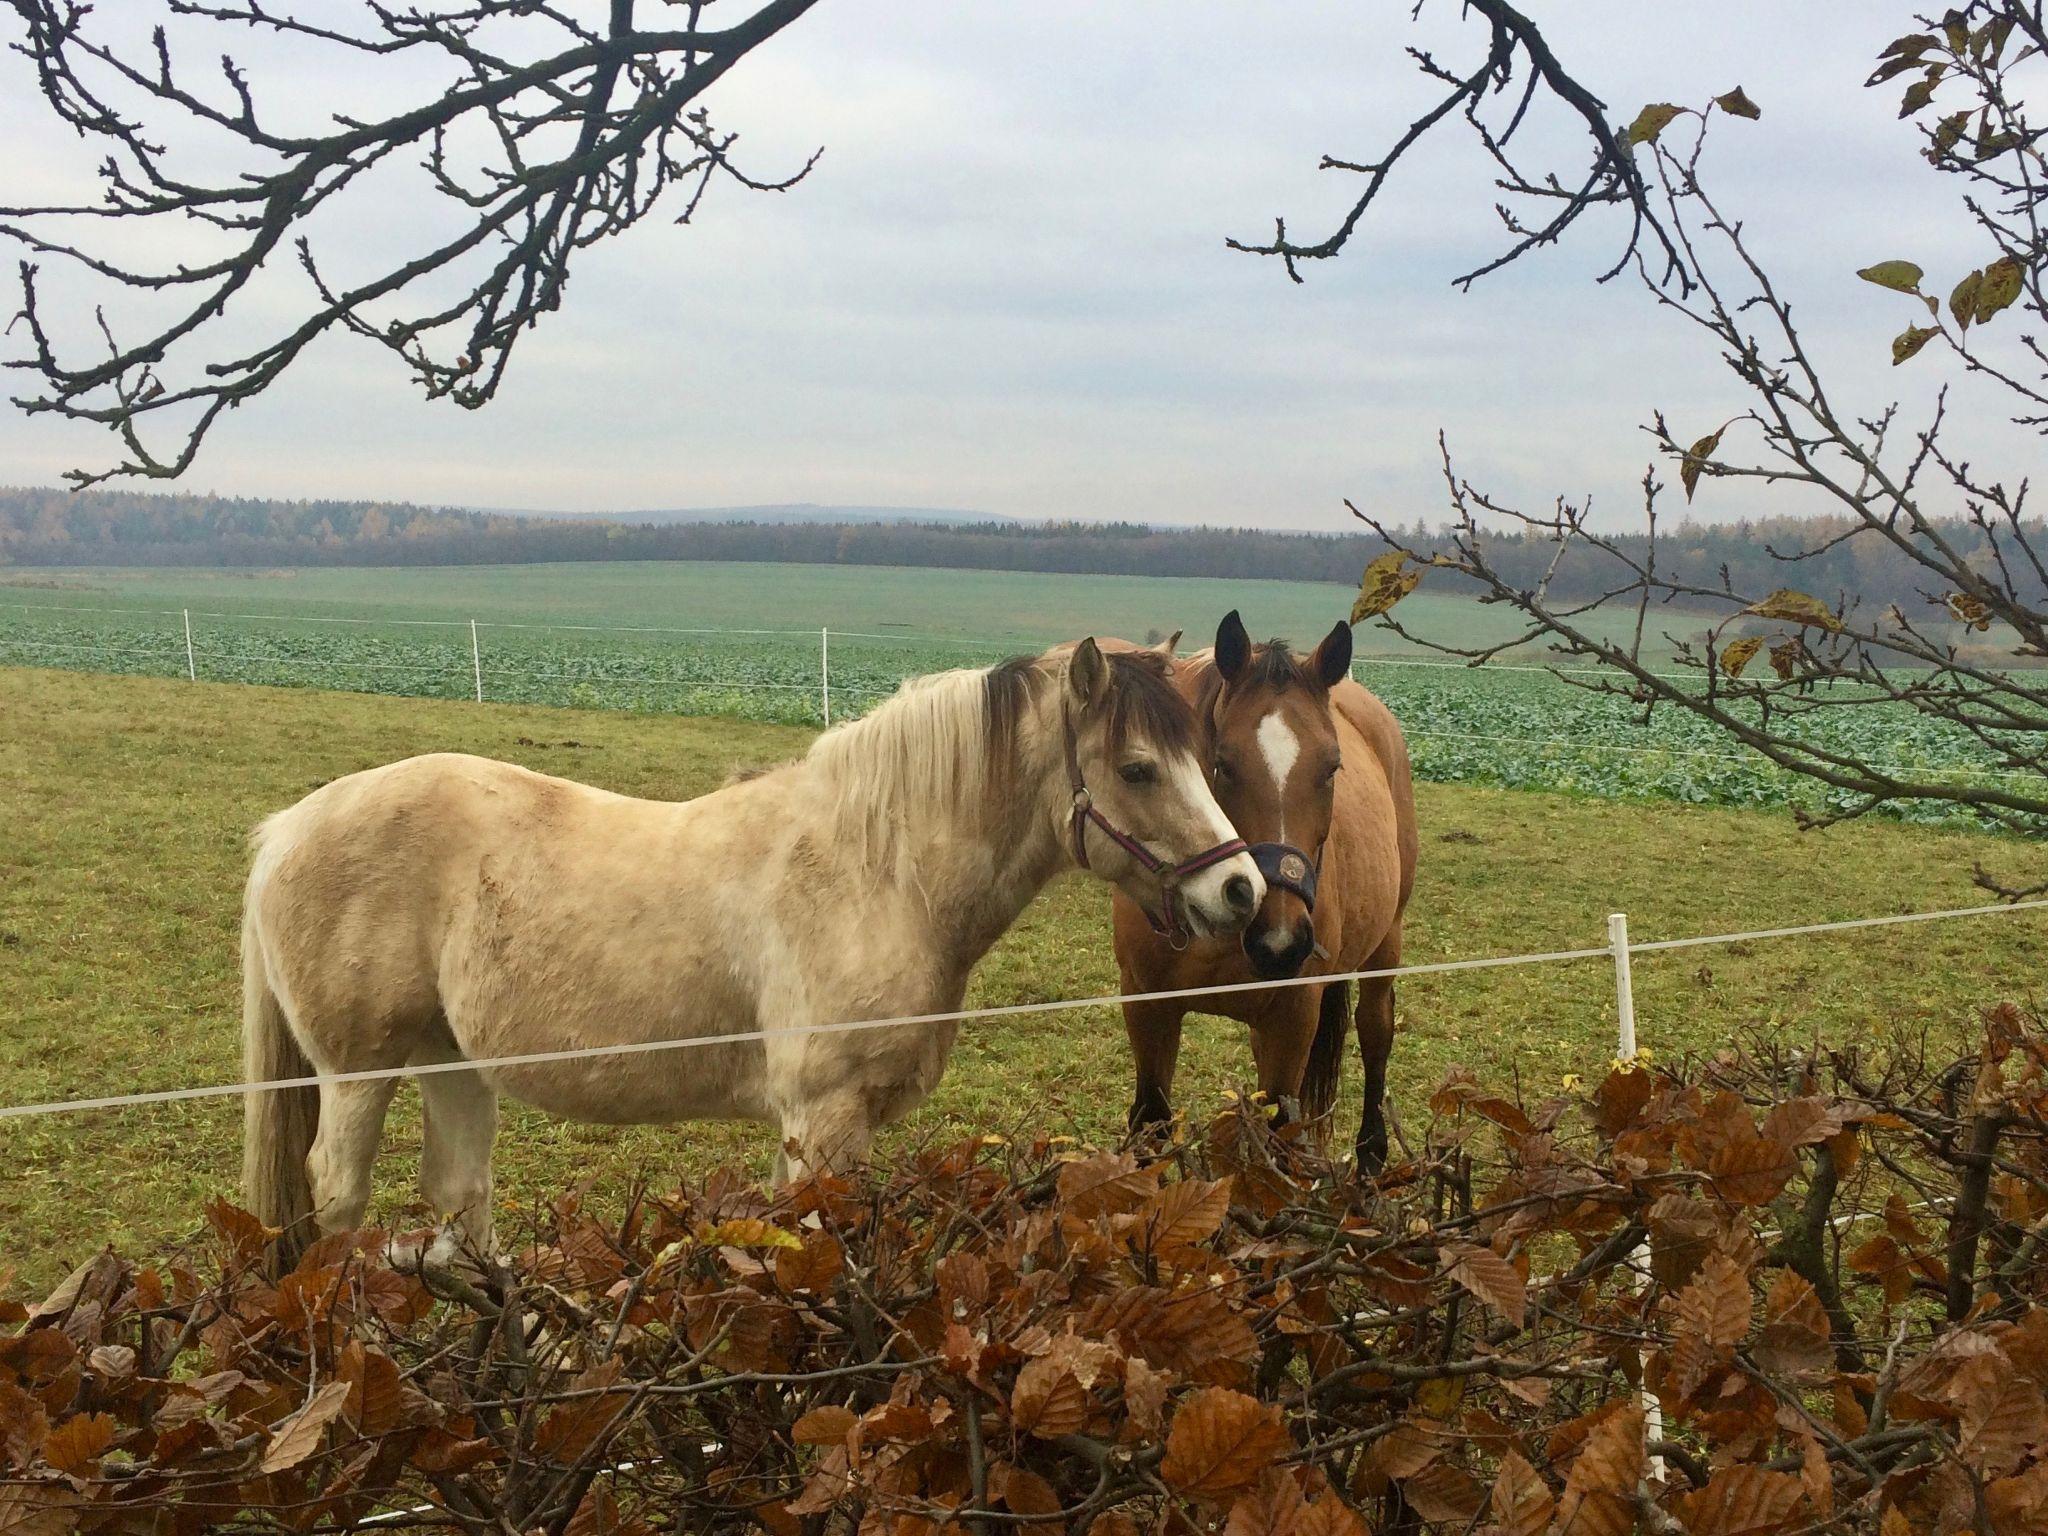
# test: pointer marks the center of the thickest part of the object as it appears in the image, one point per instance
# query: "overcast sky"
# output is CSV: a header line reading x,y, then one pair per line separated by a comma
x,y
1005,288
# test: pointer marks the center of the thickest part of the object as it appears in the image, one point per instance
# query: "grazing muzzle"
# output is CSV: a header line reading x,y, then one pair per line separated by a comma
x,y
1170,922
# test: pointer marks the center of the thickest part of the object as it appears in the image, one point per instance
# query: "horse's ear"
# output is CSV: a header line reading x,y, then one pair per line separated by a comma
x,y
1331,663
1233,647
1164,649
1088,674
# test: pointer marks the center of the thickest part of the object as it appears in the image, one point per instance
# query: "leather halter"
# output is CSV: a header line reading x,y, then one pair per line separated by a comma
x,y
1169,923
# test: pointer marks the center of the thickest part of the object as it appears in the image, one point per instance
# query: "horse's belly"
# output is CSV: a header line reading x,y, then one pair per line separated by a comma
x,y
698,1082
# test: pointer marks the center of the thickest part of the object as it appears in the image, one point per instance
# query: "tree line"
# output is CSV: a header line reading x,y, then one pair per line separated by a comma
x,y
49,527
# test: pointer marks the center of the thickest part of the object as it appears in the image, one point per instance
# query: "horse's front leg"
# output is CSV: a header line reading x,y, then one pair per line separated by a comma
x,y
1154,1031
1375,1021
830,1132
1281,1042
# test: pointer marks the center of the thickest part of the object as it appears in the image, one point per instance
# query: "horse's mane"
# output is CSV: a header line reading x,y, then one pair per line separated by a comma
x,y
951,745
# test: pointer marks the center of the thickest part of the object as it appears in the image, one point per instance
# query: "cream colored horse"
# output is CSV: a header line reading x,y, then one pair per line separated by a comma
x,y
452,908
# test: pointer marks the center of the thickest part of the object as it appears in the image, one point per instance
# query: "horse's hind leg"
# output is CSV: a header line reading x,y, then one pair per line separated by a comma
x,y
455,1163
344,1150
1375,1021
1154,1031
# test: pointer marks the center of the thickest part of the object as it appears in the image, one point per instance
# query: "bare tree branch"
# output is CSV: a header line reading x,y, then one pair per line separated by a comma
x,y
552,134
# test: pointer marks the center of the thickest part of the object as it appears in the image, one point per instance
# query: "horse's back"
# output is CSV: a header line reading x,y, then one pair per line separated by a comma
x,y
355,891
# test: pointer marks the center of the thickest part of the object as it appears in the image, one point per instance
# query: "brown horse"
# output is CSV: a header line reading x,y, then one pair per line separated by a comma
x,y
1313,772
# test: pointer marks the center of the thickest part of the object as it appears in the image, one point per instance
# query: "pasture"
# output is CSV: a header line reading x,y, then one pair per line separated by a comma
x,y
129,798
737,641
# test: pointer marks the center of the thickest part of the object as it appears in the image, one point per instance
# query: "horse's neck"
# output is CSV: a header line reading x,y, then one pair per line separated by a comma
x,y
978,874
974,861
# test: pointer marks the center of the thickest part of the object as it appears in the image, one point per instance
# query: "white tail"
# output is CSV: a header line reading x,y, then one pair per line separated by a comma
x,y
277,1124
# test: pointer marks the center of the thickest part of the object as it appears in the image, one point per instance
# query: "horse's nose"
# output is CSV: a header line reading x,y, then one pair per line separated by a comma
x,y
1237,890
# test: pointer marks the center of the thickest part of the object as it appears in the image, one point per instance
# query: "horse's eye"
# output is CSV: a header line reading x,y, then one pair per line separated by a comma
x,y
1222,771
1138,773
1330,773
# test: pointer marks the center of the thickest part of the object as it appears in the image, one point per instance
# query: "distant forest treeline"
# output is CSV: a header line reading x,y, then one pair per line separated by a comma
x,y
43,527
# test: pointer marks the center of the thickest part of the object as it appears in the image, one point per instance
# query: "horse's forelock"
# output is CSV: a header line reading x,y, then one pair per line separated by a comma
x,y
1273,668
1143,703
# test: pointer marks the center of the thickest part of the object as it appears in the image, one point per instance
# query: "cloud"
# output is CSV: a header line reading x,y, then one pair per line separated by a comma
x,y
1006,285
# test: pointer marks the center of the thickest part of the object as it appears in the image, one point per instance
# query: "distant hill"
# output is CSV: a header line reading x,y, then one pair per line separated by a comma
x,y
47,527
774,513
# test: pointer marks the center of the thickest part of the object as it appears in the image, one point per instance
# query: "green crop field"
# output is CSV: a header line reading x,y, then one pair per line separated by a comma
x,y
129,800
744,641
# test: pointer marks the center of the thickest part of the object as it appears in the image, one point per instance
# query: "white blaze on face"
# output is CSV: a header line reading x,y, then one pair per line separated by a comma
x,y
1281,747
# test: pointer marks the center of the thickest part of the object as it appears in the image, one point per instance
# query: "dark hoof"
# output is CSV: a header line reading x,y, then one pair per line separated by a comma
x,y
1151,1116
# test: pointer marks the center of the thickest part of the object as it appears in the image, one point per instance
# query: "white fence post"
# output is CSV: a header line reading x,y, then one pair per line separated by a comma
x,y
1624,984
476,660
825,675
191,666
1639,1261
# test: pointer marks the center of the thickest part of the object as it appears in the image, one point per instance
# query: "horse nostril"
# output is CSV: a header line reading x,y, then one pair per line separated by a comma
x,y
1237,890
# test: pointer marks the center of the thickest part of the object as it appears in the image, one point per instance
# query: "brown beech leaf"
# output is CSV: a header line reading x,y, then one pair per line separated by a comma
x,y
37,1511
1444,1494
1049,1401
23,1424
1274,1508
1599,1495
1109,1183
1522,1505
824,1426
239,1231
1186,1212
1801,1122
74,1445
573,1427
2003,1419
300,1436
1113,1523
1795,1336
1024,1491
1220,1442
1712,1317
1743,1500
1736,103
1329,1516
1145,1396
1491,1278
376,1395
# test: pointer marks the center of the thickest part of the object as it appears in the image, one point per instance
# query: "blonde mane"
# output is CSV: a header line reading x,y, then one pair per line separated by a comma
x,y
941,751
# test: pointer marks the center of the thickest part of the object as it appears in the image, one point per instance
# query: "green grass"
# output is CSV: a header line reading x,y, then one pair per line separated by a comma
x,y
128,801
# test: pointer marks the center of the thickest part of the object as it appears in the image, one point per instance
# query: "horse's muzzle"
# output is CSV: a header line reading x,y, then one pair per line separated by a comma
x,y
1276,953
